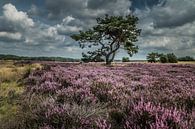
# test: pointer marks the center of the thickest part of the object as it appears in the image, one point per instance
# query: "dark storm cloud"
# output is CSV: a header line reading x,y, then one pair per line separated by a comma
x,y
96,4
174,13
5,26
168,27
143,4
85,10
59,8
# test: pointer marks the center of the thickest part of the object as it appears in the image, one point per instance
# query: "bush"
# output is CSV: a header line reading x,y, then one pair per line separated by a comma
x,y
125,59
163,59
152,57
172,58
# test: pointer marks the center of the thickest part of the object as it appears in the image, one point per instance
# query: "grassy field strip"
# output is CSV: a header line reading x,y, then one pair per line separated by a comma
x,y
10,85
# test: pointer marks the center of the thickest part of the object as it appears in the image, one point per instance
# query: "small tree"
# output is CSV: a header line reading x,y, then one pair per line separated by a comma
x,y
152,57
163,58
172,58
110,34
125,59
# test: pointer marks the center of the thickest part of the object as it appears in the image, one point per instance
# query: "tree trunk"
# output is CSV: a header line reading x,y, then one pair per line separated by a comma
x,y
110,58
108,62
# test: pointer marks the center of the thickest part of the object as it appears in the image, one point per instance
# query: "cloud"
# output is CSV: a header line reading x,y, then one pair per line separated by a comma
x,y
85,10
26,35
6,26
69,26
174,13
7,36
12,15
14,23
44,27
168,27
145,4
68,19
17,24
114,7
34,10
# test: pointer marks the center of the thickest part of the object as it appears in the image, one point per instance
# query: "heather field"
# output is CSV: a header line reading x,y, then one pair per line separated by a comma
x,y
122,96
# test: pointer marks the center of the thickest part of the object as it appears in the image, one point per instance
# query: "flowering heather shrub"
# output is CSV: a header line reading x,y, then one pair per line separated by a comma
x,y
133,96
146,115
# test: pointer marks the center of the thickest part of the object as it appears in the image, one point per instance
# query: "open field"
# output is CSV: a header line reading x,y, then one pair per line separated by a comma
x,y
129,95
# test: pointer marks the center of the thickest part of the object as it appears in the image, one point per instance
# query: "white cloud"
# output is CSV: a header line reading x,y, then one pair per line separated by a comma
x,y
11,14
68,19
69,25
43,34
22,27
67,29
12,36
51,31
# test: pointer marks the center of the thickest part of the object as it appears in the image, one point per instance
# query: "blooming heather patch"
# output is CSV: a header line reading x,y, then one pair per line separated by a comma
x,y
152,96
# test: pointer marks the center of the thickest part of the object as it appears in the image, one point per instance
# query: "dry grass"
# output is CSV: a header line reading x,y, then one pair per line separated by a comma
x,y
8,74
10,88
186,62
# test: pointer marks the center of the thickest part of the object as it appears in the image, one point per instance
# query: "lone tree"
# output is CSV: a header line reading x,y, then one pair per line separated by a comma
x,y
110,34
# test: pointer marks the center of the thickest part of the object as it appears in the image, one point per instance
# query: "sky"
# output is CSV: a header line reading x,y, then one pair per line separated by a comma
x,y
43,27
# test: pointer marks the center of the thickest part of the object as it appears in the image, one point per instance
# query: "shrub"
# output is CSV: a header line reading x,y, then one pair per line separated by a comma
x,y
125,59
152,57
172,58
94,96
163,59
148,116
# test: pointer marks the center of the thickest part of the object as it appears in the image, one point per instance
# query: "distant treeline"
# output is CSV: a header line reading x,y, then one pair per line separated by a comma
x,y
186,58
14,57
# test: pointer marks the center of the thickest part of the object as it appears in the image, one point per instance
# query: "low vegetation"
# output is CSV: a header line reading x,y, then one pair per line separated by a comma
x,y
152,96
186,58
29,59
125,59
11,87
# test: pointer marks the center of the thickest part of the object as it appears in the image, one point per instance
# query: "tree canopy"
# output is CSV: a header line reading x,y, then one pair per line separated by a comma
x,y
110,34
152,57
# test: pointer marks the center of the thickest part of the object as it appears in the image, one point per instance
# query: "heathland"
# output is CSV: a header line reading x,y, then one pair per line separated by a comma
x,y
92,95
